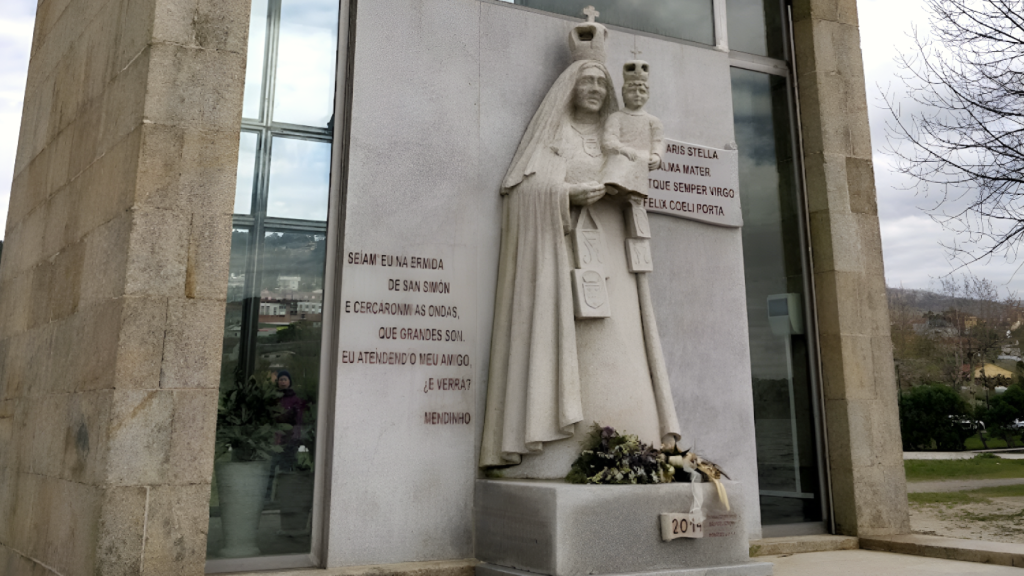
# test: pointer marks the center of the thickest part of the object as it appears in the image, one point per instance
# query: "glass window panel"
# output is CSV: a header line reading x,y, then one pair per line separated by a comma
x,y
282,328
306,56
232,371
255,59
755,27
262,499
684,19
246,172
780,368
300,172
288,342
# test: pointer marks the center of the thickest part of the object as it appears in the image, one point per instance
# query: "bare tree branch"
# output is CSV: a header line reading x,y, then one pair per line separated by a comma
x,y
966,145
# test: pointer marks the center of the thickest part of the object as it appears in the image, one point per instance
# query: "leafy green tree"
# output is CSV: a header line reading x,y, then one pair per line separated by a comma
x,y
1001,413
934,414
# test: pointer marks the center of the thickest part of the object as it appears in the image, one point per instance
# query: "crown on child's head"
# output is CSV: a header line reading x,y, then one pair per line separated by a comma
x,y
635,71
586,41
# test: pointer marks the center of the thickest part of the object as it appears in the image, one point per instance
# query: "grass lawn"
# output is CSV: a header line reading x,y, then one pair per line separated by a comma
x,y
974,443
978,467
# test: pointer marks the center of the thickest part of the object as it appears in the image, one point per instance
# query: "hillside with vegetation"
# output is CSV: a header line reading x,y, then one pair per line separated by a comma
x,y
958,365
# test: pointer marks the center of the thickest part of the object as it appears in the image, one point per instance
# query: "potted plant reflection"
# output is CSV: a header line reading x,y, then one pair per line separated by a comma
x,y
250,429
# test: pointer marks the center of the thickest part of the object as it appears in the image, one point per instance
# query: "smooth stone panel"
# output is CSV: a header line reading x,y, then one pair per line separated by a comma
x,y
561,529
402,489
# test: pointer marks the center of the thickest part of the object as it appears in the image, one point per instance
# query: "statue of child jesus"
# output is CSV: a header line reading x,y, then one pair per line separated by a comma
x,y
633,139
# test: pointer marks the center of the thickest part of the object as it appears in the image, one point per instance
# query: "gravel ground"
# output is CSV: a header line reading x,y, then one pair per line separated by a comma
x,y
999,520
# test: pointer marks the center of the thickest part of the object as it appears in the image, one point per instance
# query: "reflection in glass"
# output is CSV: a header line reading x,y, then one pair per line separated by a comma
x,y
291,307
684,19
300,173
263,487
246,172
237,297
774,268
755,27
306,57
254,60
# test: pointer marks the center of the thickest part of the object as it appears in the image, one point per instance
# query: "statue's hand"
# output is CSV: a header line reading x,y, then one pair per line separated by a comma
x,y
654,163
628,153
585,193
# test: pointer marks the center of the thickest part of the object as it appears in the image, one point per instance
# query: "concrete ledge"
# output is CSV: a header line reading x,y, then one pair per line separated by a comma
x,y
948,548
437,568
745,569
799,544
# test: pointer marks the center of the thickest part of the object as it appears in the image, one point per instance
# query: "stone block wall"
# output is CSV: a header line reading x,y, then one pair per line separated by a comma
x,y
112,285
859,384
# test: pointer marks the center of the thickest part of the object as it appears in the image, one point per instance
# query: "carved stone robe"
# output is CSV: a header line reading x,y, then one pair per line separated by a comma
x,y
548,371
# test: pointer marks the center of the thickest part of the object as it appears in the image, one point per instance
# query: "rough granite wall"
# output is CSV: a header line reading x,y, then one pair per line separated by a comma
x,y
113,283
868,483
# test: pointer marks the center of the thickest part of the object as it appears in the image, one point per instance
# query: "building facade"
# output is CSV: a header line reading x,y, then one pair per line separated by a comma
x,y
210,195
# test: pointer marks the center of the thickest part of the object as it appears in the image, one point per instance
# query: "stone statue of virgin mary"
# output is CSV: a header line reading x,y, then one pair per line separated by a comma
x,y
553,374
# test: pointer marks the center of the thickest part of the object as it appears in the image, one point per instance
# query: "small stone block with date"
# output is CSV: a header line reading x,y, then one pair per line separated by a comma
x,y
680,526
639,255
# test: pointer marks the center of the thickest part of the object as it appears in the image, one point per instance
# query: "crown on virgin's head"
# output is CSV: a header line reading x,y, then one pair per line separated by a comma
x,y
586,41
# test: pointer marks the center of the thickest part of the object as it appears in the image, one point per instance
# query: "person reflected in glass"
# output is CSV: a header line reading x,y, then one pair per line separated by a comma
x,y
292,408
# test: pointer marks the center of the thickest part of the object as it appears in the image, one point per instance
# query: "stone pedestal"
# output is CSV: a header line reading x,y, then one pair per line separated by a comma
x,y
549,527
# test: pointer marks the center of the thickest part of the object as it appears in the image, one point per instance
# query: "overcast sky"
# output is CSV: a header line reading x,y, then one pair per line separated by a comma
x,y
16,20
910,239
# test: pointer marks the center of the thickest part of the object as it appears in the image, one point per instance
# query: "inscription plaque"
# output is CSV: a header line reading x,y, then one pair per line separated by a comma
x,y
697,183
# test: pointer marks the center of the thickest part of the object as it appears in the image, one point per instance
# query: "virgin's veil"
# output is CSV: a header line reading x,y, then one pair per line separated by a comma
x,y
551,116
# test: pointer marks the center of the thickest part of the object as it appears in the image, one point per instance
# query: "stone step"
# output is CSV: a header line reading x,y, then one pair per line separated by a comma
x,y
800,544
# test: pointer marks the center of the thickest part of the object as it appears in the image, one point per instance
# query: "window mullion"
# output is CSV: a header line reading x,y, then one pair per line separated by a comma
x,y
263,177
273,41
269,51
721,26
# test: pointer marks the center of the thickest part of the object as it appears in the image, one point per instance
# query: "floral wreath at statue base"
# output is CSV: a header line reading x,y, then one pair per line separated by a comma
x,y
609,457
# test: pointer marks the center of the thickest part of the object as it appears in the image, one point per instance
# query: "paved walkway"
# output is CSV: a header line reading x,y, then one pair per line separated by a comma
x,y
960,485
867,562
1007,453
